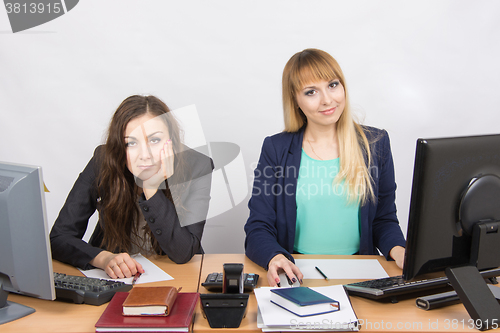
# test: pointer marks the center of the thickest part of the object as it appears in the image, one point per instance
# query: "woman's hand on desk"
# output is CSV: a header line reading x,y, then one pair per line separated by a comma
x,y
278,262
398,254
117,266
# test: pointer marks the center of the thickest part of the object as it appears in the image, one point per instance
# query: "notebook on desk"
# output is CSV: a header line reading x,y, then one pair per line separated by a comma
x,y
179,320
272,318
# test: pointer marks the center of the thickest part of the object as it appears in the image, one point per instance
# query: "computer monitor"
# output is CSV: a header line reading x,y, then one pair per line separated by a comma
x,y
455,210
25,257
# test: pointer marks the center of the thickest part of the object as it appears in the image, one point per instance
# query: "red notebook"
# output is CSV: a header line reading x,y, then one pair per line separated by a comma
x,y
179,319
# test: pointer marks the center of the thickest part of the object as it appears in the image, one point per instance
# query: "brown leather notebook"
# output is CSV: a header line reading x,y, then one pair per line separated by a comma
x,y
150,301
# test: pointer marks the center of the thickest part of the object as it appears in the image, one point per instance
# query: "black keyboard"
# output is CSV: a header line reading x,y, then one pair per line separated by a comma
x,y
213,282
81,289
393,286
396,285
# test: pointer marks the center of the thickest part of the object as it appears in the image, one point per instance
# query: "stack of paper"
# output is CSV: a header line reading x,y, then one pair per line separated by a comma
x,y
341,268
272,318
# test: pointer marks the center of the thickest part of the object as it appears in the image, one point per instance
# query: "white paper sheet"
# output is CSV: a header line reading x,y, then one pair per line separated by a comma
x,y
273,317
341,268
152,273
260,324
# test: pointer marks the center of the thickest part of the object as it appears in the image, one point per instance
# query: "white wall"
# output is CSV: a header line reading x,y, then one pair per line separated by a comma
x,y
416,68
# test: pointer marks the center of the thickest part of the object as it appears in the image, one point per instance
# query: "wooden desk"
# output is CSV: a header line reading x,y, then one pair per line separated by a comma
x,y
376,316
55,316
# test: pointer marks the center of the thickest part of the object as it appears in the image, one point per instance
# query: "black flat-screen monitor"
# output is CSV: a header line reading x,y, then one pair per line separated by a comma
x,y
454,214
439,225
25,257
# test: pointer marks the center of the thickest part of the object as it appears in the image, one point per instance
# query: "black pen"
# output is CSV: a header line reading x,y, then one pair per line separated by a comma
x,y
320,272
136,277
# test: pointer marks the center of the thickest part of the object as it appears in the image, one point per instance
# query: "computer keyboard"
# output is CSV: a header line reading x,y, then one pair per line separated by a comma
x,y
81,289
393,286
213,282
396,285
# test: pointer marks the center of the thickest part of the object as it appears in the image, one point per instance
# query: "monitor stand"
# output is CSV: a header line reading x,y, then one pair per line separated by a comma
x,y
10,311
478,202
477,298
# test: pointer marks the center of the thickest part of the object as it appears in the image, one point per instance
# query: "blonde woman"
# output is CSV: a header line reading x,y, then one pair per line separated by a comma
x,y
325,185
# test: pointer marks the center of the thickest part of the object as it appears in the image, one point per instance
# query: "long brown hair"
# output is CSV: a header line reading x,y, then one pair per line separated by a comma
x,y
118,191
312,65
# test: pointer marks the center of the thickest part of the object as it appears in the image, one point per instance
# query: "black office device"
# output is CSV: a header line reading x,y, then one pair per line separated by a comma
x,y
213,282
435,301
232,282
227,309
456,185
25,257
224,310
395,286
81,289
454,218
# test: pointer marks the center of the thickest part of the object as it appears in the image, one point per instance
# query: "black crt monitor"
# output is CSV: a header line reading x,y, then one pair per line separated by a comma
x,y
454,215
25,257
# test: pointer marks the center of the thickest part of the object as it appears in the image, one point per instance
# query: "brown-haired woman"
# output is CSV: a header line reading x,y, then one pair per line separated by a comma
x,y
151,193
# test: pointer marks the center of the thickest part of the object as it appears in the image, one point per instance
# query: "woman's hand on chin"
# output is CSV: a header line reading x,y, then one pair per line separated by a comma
x,y
151,185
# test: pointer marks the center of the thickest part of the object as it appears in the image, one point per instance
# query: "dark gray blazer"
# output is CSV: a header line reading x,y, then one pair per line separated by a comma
x,y
179,242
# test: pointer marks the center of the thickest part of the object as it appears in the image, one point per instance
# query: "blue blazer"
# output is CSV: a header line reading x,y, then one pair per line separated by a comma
x,y
270,228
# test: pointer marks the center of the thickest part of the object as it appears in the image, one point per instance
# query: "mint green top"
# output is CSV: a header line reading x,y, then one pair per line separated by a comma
x,y
326,222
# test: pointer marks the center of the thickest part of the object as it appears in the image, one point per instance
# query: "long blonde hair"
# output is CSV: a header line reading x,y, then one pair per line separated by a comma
x,y
312,65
